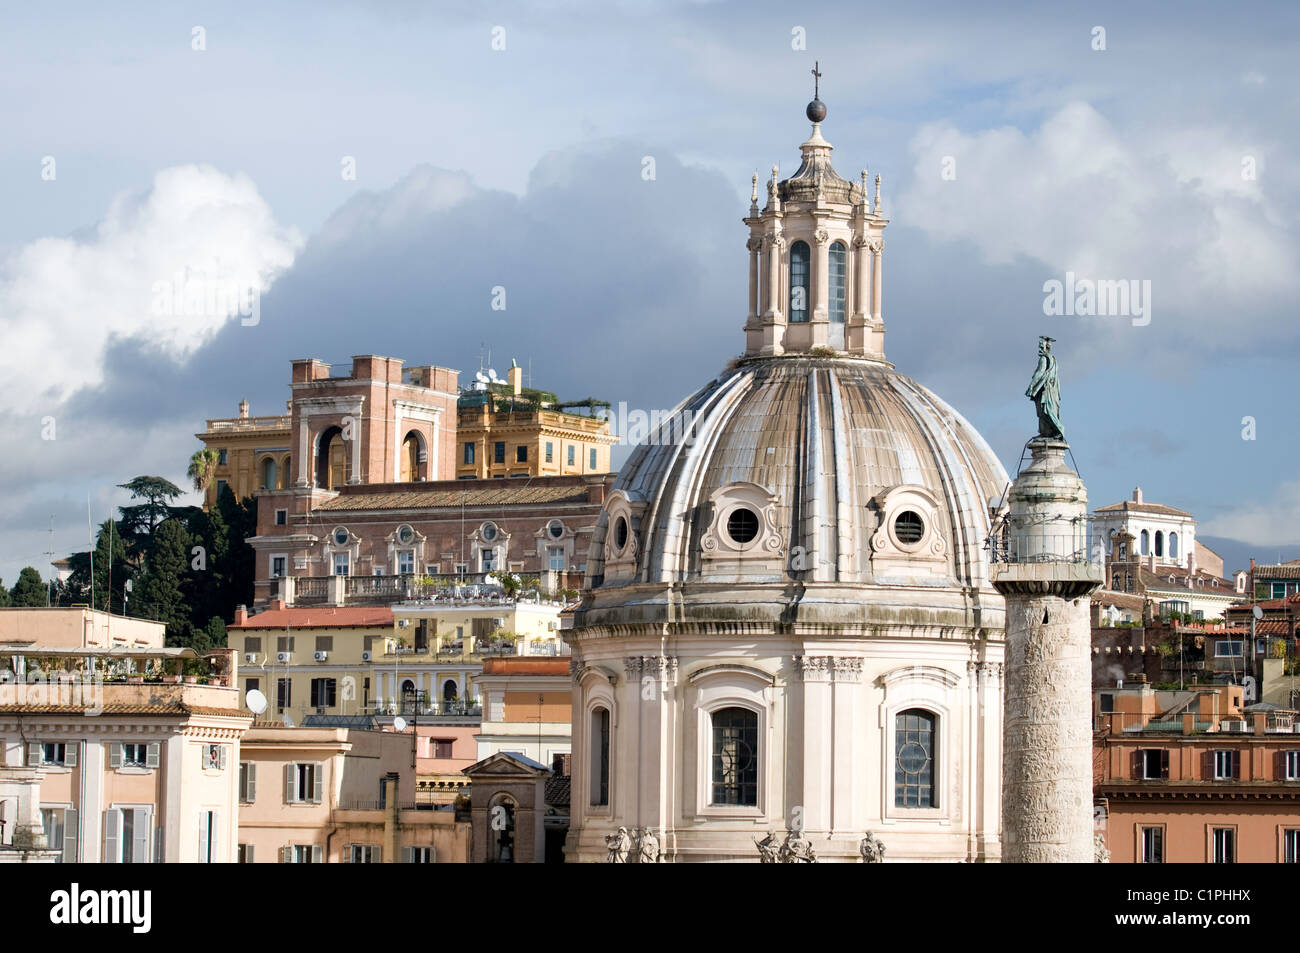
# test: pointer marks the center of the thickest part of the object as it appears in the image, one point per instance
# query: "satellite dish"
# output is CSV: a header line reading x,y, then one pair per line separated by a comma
x,y
1258,612
399,723
288,721
492,375
255,701
481,377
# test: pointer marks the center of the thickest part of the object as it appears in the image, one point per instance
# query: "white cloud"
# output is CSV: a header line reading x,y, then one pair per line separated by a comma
x,y
1080,194
1274,522
64,300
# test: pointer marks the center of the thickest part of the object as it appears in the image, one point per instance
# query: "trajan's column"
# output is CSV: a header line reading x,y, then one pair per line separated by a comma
x,y
1041,567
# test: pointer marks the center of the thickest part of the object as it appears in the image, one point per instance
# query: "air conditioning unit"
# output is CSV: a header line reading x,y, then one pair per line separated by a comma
x,y
366,656
250,658
322,656
282,657
403,623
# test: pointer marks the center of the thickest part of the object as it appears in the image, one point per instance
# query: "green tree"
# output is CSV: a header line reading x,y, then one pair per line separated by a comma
x,y
160,589
81,579
4,595
140,519
203,465
30,590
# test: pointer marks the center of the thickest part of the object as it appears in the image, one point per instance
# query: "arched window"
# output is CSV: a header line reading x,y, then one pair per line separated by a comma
x,y
735,757
449,689
412,447
799,282
915,780
1160,543
268,474
1173,545
838,269
1146,542
599,757
282,483
331,459
501,838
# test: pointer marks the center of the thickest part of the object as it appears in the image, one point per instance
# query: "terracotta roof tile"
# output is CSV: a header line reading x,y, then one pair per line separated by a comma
x,y
511,492
174,711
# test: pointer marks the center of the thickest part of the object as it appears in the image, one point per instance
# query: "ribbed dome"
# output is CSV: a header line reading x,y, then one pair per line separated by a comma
x,y
830,453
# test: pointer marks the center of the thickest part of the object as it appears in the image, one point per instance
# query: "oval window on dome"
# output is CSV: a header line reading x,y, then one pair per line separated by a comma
x,y
620,533
742,525
489,531
555,528
909,527
340,537
405,534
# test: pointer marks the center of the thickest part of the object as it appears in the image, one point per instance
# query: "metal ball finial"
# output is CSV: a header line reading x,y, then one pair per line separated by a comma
x,y
816,110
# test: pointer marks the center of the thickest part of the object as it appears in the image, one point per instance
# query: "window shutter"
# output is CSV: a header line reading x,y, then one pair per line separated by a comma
x,y
69,835
1236,766
151,755
433,855
248,853
1135,766
159,845
289,771
408,855
350,853
70,754
115,755
1279,771
286,855
112,834
221,760
1207,766
140,849
317,854
377,854
33,754
252,781
1164,765
318,782
204,842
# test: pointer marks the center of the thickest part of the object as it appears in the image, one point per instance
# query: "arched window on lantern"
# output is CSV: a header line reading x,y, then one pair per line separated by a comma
x,y
799,258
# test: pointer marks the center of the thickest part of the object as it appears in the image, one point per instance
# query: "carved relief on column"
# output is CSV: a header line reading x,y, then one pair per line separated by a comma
x,y
661,667
813,668
846,669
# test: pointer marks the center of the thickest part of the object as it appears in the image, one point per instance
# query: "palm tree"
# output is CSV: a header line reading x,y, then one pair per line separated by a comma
x,y
202,466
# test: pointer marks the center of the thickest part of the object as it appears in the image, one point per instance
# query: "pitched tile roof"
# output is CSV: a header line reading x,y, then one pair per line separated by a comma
x,y
319,617
1281,571
510,492
1157,508
176,710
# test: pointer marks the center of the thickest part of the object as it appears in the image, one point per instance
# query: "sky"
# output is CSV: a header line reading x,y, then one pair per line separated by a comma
x,y
367,175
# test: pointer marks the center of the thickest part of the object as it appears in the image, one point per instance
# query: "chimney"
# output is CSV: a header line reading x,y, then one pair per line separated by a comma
x,y
515,377
1137,494
241,615
277,604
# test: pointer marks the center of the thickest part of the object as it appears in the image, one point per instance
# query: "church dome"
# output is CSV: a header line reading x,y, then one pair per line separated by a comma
x,y
791,488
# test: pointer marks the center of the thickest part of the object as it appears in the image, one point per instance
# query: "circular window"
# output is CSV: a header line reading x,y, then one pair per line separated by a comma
x,y
909,527
620,533
340,537
489,531
555,528
742,525
912,758
405,534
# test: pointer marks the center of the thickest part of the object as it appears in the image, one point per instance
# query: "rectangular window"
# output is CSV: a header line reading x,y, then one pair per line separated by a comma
x,y
340,564
735,757
1227,648
281,518
135,756
915,784
592,455
442,748
52,754
247,782
1224,845
1224,762
60,825
406,562
1291,766
302,854
208,837
1153,845
303,783
600,757
363,854
324,643
1291,847
573,456
284,693
1279,590
550,452
521,454
1154,764
279,567
1107,704
487,560
252,643
555,558
469,454
214,757
499,452
244,854
221,488
252,683
460,569
127,835
418,855
323,692
221,461
284,643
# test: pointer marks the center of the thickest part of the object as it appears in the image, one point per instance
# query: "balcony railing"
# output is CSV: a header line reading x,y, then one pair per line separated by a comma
x,y
1039,548
236,424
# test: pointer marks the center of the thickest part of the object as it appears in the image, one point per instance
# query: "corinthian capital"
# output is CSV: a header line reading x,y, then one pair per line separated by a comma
x,y
754,244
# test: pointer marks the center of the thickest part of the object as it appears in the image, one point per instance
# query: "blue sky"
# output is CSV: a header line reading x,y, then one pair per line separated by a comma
x,y
521,167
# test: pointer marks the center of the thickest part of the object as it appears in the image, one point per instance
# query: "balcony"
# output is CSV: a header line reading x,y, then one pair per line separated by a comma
x,y
226,425
413,588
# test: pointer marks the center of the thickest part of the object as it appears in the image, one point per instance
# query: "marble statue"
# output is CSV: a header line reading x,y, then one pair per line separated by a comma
x,y
1045,391
618,844
872,850
797,849
647,846
769,849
